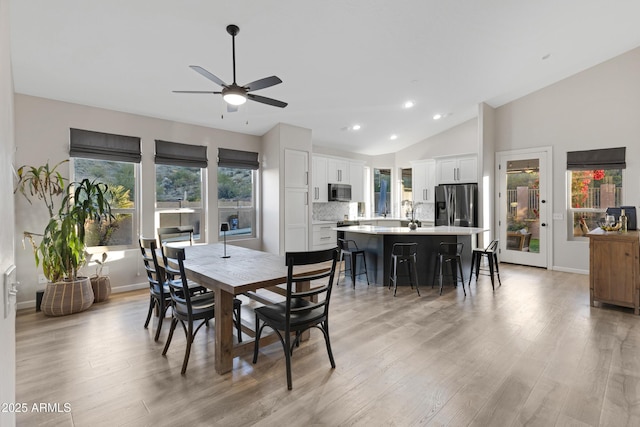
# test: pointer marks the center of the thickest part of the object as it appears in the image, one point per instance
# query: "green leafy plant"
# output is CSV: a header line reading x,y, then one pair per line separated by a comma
x,y
61,250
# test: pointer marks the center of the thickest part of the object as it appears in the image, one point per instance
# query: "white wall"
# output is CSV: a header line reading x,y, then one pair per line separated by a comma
x,y
42,134
597,108
7,148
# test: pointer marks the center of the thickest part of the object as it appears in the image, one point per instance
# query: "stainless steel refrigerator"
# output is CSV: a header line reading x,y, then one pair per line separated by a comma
x,y
457,204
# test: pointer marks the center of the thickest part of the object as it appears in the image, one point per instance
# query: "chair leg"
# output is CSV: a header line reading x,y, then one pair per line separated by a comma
x,y
325,332
491,272
366,273
495,259
187,351
162,310
473,261
459,262
174,322
440,260
353,269
152,303
256,342
238,324
412,268
287,358
339,268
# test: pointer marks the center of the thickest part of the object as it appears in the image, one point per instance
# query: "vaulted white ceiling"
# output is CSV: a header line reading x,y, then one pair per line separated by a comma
x,y
342,62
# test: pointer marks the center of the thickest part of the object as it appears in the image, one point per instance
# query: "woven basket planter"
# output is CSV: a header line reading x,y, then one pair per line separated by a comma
x,y
63,298
101,288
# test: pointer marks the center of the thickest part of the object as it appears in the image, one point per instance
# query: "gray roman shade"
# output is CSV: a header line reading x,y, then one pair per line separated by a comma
x,y
104,146
173,153
237,159
607,158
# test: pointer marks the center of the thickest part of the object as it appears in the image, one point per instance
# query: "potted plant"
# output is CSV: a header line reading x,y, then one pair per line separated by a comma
x,y
100,284
61,250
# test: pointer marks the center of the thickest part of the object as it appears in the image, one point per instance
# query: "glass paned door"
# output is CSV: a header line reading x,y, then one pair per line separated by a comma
x,y
523,208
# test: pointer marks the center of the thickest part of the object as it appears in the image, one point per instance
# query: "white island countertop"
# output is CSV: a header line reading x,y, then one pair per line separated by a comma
x,y
422,231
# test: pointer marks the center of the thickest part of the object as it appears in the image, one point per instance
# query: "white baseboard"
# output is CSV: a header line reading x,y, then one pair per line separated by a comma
x,y
570,270
114,290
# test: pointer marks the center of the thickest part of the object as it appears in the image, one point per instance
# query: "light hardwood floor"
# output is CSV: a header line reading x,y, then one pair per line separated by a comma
x,y
531,353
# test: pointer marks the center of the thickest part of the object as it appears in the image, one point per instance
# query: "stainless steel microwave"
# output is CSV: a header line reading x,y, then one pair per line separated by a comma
x,y
339,193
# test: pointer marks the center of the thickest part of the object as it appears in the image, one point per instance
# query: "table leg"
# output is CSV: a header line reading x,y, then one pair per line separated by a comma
x,y
224,332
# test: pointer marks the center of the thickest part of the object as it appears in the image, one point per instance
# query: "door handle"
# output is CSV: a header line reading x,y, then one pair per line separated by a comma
x,y
544,224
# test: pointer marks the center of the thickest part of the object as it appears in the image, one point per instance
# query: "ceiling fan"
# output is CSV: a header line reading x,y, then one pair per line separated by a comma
x,y
234,94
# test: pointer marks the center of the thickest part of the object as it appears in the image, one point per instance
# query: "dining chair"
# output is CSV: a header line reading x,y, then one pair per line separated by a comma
x,y
301,310
451,254
159,296
404,254
182,233
491,253
190,308
349,249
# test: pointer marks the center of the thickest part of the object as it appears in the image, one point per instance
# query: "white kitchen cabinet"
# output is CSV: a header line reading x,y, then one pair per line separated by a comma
x,y
356,179
296,170
423,181
338,171
324,237
457,170
319,183
296,214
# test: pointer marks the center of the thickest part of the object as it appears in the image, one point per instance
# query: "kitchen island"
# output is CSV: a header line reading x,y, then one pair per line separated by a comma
x,y
377,242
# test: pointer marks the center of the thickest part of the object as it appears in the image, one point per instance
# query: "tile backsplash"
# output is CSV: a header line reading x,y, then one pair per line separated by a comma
x,y
331,211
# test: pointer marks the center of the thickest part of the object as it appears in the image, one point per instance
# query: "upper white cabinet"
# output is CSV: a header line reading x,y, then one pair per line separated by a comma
x,y
356,179
457,170
424,181
296,169
320,189
338,171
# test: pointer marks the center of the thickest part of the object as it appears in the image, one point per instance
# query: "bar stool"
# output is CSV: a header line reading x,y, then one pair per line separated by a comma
x,y
491,252
404,253
349,248
450,253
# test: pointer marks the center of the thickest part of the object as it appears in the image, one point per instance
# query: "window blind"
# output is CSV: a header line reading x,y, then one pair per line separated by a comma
x,y
607,158
173,153
104,146
237,159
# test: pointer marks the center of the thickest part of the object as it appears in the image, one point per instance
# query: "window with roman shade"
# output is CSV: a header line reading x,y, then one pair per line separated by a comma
x,y
114,160
237,175
595,180
181,186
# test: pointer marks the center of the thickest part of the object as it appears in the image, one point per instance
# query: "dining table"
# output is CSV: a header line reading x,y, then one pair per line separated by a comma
x,y
243,271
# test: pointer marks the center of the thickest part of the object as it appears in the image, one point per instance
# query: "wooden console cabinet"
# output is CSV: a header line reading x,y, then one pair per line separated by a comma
x,y
614,269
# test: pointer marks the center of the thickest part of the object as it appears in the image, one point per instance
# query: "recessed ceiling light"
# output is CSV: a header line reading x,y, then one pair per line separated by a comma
x,y
408,104
437,116
355,127
393,137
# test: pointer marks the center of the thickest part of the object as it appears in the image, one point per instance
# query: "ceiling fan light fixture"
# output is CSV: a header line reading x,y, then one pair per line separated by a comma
x,y
234,96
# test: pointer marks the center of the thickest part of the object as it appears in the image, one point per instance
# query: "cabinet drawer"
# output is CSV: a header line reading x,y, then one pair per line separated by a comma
x,y
324,235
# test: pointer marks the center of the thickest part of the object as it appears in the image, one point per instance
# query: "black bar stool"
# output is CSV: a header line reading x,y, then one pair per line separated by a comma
x,y
450,253
404,253
349,248
491,252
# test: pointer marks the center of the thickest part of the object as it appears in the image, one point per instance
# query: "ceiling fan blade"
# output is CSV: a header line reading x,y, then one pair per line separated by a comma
x,y
195,91
208,75
268,101
263,83
232,108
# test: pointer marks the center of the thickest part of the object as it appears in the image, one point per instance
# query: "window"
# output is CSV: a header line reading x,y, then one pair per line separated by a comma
x,y
236,192
381,191
595,183
114,160
180,186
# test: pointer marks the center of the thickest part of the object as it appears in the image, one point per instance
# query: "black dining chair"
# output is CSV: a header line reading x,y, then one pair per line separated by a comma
x,y
159,296
190,308
301,310
491,254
